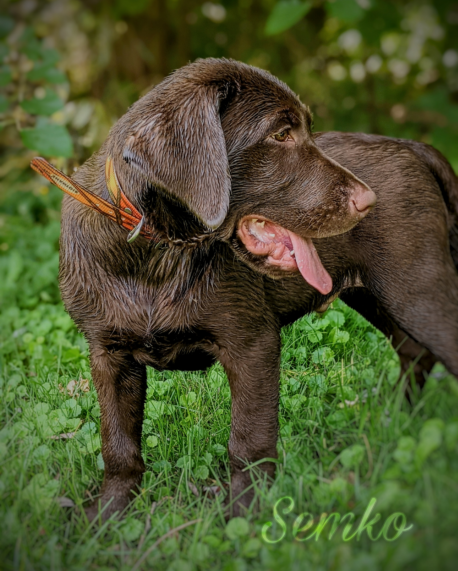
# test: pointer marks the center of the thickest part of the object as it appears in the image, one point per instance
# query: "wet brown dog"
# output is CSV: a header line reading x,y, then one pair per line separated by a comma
x,y
220,160
407,248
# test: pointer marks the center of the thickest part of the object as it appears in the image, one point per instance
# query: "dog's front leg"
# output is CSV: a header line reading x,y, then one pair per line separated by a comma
x,y
121,388
252,364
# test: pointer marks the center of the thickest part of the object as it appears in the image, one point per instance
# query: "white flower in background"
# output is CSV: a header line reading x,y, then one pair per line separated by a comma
x,y
336,71
374,63
450,58
399,112
422,23
350,40
357,71
214,12
427,76
390,43
399,68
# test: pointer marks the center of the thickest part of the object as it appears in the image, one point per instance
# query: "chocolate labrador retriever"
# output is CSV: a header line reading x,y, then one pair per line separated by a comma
x,y
247,223
409,260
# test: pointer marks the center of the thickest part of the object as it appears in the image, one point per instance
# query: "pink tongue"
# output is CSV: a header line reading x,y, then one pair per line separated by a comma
x,y
310,265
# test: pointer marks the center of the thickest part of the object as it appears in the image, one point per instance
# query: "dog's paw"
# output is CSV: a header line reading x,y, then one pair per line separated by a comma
x,y
241,497
104,508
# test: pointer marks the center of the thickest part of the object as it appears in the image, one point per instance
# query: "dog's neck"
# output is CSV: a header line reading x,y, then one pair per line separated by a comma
x,y
156,221
169,222
173,222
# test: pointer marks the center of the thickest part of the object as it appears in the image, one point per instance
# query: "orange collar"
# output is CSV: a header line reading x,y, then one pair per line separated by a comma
x,y
122,211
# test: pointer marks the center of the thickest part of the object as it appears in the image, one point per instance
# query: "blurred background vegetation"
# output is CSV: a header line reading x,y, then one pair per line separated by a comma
x,y
74,66
70,68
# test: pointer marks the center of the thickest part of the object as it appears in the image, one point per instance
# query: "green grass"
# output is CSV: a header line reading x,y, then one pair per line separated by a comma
x,y
347,435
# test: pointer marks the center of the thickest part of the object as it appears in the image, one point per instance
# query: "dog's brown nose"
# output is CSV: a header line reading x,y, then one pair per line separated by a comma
x,y
362,200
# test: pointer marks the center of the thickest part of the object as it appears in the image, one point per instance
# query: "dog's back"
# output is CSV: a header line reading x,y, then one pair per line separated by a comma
x,y
448,183
353,147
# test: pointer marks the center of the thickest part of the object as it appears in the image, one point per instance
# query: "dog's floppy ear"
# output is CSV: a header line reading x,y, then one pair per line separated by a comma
x,y
177,141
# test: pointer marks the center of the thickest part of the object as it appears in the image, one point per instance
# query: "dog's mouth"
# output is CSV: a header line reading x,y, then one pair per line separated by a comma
x,y
284,249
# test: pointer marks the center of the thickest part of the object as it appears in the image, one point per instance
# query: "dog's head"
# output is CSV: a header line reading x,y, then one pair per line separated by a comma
x,y
232,145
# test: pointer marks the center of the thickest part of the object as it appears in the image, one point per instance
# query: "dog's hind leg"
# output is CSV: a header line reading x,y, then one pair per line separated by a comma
x,y
428,312
423,300
414,358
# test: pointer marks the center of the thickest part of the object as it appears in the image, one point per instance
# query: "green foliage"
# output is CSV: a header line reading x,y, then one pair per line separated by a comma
x,y
30,103
6,25
5,75
48,139
347,11
352,456
383,67
47,105
361,65
237,527
284,15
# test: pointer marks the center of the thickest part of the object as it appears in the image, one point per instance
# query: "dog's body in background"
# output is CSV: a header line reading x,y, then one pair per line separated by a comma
x,y
223,146
410,272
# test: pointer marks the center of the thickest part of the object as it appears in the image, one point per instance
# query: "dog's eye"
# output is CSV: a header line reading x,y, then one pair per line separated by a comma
x,y
282,136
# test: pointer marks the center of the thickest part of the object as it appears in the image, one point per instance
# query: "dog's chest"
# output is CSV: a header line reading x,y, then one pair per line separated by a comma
x,y
176,350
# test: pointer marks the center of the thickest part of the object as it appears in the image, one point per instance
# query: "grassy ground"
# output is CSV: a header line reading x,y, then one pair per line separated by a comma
x,y
347,435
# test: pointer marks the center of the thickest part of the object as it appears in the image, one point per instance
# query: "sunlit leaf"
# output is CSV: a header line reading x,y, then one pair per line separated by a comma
x,y
352,456
71,408
219,450
201,472
162,466
335,317
152,441
237,527
41,453
285,15
93,443
131,529
47,105
339,336
323,355
185,462
47,73
314,336
405,450
44,68
51,140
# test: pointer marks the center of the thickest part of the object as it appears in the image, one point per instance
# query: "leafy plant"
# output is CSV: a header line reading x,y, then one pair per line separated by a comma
x,y
285,14
34,91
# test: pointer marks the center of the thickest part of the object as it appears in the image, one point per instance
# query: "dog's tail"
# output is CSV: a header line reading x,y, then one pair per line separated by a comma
x,y
448,183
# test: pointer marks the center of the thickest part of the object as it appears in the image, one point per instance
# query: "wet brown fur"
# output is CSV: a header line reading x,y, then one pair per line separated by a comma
x,y
195,156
